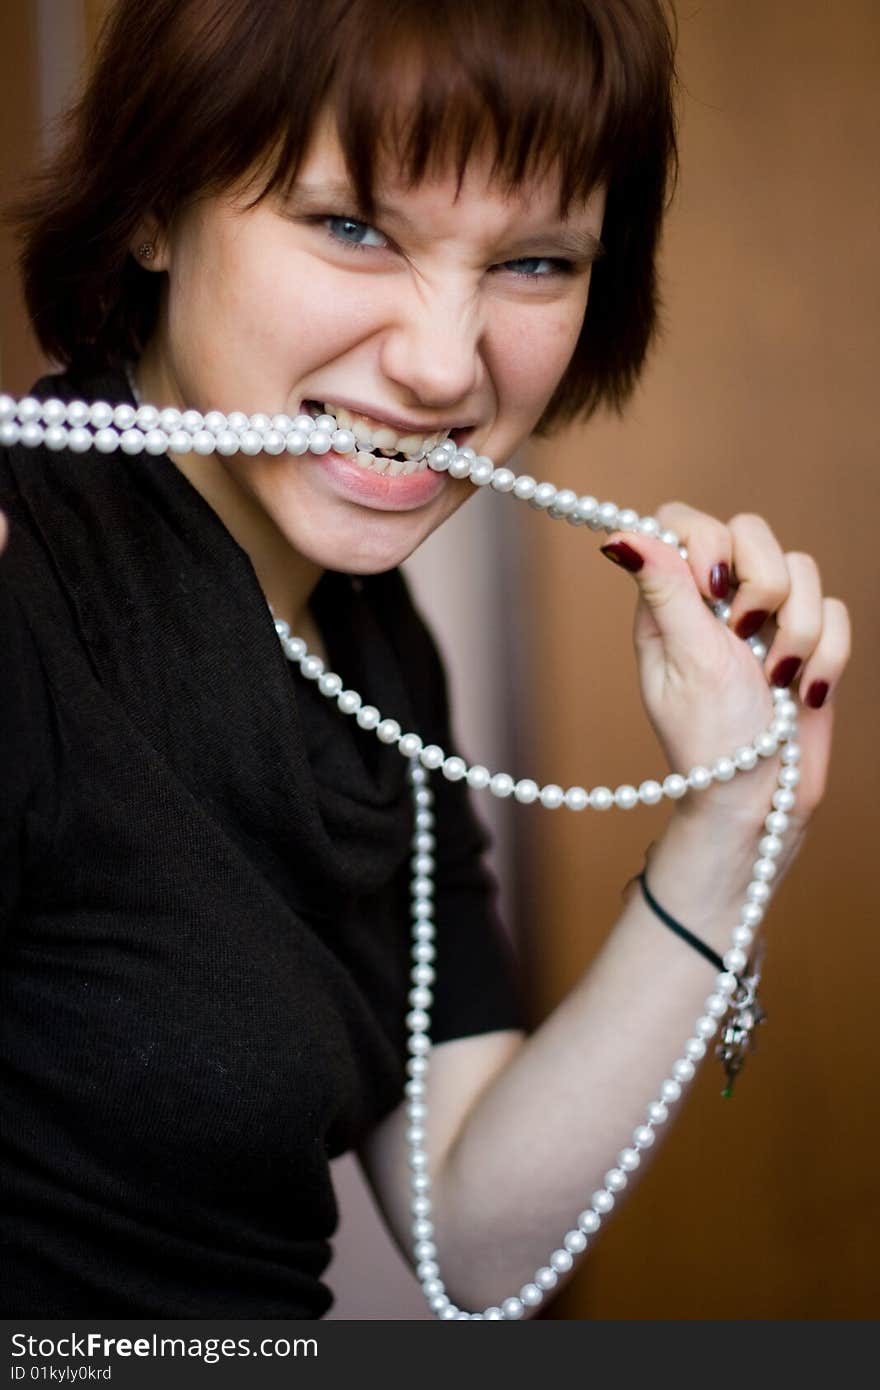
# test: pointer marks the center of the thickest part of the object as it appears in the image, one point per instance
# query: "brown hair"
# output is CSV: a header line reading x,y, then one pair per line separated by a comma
x,y
186,97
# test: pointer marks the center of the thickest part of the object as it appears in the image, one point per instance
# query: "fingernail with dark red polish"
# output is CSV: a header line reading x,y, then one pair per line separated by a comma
x,y
623,554
816,694
750,622
785,671
719,581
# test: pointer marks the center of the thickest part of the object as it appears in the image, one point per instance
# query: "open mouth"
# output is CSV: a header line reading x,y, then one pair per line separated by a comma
x,y
380,448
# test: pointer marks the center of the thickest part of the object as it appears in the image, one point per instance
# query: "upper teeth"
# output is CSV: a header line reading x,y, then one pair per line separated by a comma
x,y
372,435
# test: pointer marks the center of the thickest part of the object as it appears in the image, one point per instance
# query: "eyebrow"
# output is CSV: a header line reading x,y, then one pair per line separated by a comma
x,y
571,241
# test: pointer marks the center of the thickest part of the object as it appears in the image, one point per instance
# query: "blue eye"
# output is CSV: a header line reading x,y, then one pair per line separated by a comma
x,y
349,231
557,267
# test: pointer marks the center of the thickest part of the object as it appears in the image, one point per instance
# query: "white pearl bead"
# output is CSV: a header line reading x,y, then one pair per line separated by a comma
x,y
607,516
675,786
367,717
551,796
478,776
544,494
192,420
100,414
643,1136
602,1201
616,1180
503,480
424,796
319,442
561,1261
431,756
745,758
564,503
297,442
758,892
330,684
439,1303
388,731
512,1308
32,434
783,799
546,1278
770,846
629,1159
203,443
699,777
649,526
695,1048
481,472
576,798
716,1005
764,869
683,1069
626,797
670,1091
343,441
215,421
589,1221
9,409
454,769
650,793
575,1242
789,777
657,1112
531,1295
227,443
326,423
766,745
627,519
735,959
311,667
723,769
458,466
180,442
586,508
304,422
77,412
526,791
55,438
524,487
432,1287
501,784
742,936
130,442
273,442
752,915
155,442
54,413
410,745
10,433
493,1314
601,798
706,1026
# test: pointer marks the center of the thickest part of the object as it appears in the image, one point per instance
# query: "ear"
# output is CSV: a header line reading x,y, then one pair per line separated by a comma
x,y
149,246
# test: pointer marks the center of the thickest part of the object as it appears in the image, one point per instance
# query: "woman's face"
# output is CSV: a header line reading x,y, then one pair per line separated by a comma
x,y
448,312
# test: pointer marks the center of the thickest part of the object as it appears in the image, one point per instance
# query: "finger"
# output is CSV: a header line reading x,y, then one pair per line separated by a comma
x,y
709,546
4,531
799,620
667,587
759,571
828,660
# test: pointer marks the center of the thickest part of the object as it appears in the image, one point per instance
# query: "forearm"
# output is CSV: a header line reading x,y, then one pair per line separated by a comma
x,y
544,1133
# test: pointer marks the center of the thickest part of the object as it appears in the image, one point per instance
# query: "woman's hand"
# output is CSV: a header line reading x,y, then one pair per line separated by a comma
x,y
704,691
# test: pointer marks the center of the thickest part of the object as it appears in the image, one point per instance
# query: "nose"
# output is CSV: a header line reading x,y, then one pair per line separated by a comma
x,y
432,348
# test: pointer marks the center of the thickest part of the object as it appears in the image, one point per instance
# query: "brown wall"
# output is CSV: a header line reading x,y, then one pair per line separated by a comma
x,y
762,397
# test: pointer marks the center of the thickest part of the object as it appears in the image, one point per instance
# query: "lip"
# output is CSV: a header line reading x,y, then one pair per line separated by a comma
x,y
376,490
396,422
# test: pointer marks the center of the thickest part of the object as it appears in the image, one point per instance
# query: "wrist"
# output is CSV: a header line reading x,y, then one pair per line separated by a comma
x,y
700,870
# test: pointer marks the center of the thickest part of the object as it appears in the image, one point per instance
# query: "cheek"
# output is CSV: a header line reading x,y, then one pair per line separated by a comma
x,y
534,354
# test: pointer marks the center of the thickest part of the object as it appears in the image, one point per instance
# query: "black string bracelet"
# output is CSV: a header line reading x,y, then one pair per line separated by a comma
x,y
681,931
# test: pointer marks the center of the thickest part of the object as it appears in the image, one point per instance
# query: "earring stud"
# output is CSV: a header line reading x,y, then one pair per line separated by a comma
x,y
146,251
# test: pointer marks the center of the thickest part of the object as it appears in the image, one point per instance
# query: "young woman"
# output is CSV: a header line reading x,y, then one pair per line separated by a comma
x,y
426,221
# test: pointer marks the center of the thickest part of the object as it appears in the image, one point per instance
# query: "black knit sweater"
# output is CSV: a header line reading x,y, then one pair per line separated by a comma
x,y
204,898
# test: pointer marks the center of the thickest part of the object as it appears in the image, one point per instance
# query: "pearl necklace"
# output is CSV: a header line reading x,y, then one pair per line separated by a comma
x,y
80,425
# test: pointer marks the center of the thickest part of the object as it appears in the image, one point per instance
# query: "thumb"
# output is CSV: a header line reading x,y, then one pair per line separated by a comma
x,y
673,609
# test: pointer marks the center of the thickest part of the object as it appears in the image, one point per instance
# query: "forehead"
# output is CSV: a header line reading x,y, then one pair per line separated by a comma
x,y
475,195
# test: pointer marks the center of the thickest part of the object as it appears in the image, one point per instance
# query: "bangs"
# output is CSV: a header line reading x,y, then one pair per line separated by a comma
x,y
565,90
